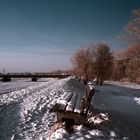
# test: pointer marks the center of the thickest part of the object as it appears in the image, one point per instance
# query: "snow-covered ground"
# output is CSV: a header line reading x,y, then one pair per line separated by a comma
x,y
24,111
16,84
121,100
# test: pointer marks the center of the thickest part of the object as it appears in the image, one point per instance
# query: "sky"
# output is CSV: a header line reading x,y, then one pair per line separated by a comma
x,y
42,35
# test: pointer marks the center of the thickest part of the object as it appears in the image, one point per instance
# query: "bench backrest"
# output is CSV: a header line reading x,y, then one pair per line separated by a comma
x,y
89,94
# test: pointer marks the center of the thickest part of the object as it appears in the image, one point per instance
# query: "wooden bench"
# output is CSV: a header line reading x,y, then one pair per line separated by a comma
x,y
74,104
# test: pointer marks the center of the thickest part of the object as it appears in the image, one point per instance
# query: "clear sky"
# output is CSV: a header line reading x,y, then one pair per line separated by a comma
x,y
42,35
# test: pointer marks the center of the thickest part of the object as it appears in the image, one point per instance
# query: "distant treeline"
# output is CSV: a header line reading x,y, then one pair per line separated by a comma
x,y
39,73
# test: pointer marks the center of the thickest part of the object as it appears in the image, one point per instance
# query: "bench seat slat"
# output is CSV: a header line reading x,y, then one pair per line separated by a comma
x,y
68,96
63,96
72,103
64,102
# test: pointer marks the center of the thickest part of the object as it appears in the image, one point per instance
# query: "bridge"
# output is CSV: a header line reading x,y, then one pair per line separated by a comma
x,y
34,77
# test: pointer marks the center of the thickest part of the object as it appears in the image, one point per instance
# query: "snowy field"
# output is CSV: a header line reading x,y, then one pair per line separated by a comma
x,y
24,111
16,84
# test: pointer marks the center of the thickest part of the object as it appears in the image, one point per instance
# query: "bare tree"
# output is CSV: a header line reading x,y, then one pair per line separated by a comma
x,y
132,37
133,67
102,61
81,61
133,27
131,32
119,65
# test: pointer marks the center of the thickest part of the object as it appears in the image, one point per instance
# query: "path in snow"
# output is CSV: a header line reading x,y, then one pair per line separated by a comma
x,y
122,102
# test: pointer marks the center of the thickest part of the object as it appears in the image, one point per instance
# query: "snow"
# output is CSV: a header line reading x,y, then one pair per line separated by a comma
x,y
119,97
24,110
122,101
80,133
137,99
99,118
6,87
124,84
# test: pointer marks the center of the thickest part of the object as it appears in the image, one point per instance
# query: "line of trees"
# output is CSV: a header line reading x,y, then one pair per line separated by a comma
x,y
93,62
97,61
